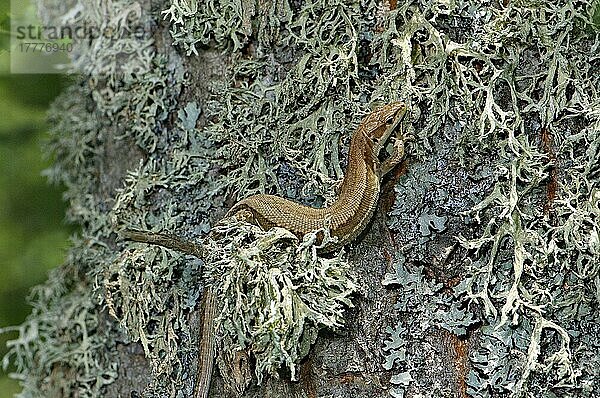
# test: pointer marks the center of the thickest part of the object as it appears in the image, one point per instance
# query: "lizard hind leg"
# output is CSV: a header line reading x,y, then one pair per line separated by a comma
x,y
245,215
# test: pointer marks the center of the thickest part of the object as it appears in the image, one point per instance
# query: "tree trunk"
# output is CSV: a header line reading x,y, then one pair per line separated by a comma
x,y
478,275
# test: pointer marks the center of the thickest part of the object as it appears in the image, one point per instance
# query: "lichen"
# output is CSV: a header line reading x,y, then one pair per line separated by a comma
x,y
126,95
150,311
225,24
275,292
65,336
483,81
534,266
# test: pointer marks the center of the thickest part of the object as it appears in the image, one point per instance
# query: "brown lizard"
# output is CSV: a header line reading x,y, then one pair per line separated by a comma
x,y
346,218
351,212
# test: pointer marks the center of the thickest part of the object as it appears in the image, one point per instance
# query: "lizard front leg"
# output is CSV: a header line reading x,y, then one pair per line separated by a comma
x,y
395,158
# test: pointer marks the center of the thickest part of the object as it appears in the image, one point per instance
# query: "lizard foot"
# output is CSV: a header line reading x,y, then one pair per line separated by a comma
x,y
396,156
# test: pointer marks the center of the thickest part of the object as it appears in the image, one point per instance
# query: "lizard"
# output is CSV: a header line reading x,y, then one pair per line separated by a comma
x,y
347,217
351,212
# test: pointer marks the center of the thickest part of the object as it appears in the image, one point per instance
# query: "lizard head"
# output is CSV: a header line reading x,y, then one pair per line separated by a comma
x,y
382,121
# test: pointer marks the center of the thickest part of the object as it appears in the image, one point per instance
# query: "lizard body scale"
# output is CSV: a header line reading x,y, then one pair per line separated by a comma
x,y
346,217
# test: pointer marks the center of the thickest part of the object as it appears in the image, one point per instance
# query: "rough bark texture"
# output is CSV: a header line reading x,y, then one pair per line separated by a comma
x,y
479,274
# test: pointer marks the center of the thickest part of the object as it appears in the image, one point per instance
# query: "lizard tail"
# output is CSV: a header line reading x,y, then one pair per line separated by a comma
x,y
206,353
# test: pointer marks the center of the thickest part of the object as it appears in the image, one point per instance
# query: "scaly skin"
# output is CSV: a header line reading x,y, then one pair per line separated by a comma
x,y
346,218
207,346
351,212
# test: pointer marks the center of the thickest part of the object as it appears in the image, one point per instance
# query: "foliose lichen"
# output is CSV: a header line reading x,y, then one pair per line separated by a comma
x,y
494,78
534,268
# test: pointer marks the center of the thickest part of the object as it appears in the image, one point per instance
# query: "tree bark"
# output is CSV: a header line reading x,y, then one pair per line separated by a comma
x,y
261,96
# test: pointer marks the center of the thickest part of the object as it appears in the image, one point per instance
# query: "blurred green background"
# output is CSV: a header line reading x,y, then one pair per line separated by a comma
x,y
33,233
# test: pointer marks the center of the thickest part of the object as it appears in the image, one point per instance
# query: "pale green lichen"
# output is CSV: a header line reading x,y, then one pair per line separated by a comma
x,y
226,24
141,100
127,95
65,336
486,75
150,311
533,274
275,292
314,102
